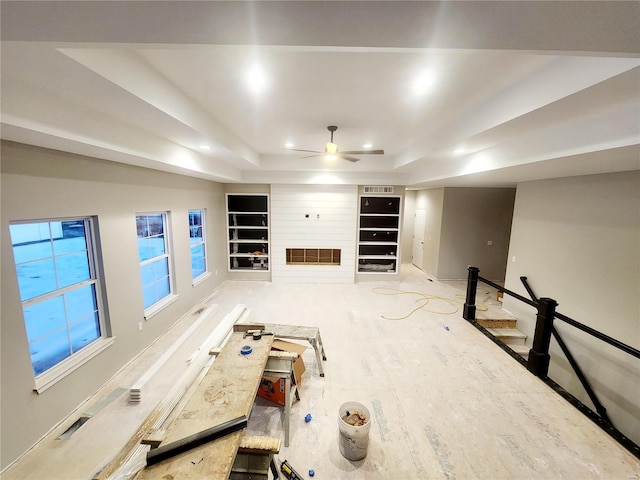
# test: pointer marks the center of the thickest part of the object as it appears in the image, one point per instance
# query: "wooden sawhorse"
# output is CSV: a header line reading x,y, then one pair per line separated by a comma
x,y
310,334
280,364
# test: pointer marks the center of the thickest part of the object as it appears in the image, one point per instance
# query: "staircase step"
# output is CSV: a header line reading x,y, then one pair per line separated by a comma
x,y
520,349
496,317
494,313
508,335
497,322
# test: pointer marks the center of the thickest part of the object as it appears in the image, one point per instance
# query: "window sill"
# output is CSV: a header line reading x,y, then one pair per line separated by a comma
x,y
198,280
161,305
57,373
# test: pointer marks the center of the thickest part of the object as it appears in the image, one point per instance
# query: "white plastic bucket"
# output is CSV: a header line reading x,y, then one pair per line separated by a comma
x,y
354,439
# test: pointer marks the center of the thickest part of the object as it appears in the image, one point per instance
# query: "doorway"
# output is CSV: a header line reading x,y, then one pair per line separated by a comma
x,y
418,238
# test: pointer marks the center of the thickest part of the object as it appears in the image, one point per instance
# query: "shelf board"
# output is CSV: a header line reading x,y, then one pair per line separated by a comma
x,y
248,255
248,213
248,269
248,227
379,272
362,214
378,243
377,257
248,241
379,229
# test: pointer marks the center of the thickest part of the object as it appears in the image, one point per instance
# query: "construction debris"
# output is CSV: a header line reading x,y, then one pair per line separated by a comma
x,y
354,419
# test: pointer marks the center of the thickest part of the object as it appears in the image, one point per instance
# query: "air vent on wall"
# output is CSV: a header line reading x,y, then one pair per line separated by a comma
x,y
378,189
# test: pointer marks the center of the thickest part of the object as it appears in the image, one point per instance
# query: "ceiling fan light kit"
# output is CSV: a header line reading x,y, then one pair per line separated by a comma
x,y
331,150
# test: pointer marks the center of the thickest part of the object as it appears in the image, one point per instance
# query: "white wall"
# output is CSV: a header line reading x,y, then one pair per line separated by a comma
x,y
432,202
406,230
577,240
39,184
313,216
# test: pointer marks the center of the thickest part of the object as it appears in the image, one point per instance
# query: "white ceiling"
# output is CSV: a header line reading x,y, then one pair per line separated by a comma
x,y
530,89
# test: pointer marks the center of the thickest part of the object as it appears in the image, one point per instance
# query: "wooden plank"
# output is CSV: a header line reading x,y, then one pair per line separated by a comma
x,y
283,355
299,332
226,392
243,327
153,430
259,444
135,392
156,435
170,450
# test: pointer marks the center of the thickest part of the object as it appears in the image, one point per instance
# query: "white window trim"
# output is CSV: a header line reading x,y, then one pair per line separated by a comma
x,y
198,280
56,373
206,274
168,254
161,305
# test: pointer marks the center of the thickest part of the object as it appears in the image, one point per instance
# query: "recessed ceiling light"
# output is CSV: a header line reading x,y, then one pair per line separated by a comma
x,y
205,147
288,145
256,79
367,145
423,83
459,150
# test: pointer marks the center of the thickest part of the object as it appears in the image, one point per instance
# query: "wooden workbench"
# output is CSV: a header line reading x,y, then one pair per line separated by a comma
x,y
225,393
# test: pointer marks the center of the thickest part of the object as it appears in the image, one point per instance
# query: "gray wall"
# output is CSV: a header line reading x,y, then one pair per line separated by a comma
x,y
459,224
577,240
38,184
471,218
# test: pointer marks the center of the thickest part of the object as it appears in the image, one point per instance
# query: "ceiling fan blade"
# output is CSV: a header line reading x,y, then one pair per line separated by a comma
x,y
311,156
348,158
299,150
364,152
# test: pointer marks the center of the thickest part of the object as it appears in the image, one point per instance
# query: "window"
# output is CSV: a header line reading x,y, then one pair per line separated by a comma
x,y
154,257
197,241
60,290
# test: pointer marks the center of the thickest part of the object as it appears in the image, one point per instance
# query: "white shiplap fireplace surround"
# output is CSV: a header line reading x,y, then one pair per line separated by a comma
x,y
314,216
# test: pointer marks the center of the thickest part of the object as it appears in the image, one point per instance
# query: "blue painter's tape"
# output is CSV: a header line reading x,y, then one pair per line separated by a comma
x,y
246,350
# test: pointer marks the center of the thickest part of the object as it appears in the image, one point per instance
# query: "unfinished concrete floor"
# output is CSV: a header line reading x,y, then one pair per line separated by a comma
x,y
445,401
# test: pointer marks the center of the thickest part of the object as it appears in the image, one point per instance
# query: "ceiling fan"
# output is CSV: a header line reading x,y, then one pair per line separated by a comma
x,y
331,150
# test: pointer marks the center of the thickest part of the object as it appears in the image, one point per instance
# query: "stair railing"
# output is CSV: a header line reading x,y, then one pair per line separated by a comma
x,y
602,411
539,358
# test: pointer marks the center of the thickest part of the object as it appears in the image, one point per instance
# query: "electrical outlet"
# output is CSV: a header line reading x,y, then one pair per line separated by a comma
x,y
139,326
513,259
489,242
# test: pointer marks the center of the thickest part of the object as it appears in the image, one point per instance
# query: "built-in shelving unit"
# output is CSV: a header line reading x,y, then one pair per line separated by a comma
x,y
248,231
378,234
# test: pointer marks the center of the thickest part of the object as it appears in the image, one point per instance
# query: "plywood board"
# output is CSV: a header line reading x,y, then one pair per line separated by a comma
x,y
225,393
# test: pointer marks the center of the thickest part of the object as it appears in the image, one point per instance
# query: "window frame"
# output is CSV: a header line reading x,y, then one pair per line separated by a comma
x,y
55,373
203,216
162,303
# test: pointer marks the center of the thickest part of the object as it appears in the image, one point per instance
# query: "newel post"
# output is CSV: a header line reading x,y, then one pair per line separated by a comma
x,y
539,358
469,310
